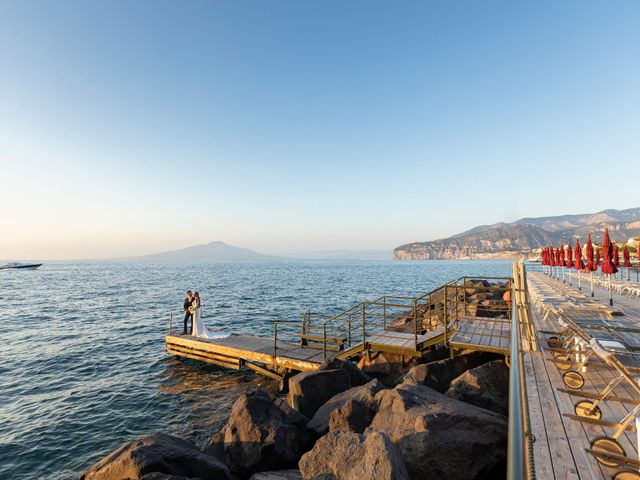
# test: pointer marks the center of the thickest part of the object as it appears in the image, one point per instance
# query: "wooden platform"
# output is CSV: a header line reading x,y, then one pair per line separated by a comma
x,y
259,353
561,439
483,334
236,350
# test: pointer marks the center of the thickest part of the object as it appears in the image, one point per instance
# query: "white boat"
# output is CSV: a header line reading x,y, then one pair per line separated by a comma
x,y
20,266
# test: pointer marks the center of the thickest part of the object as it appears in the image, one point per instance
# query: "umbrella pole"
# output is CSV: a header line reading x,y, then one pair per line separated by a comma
x,y
563,274
579,280
628,274
591,275
610,295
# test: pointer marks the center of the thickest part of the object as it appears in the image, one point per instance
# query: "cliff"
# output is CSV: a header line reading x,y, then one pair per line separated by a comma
x,y
524,237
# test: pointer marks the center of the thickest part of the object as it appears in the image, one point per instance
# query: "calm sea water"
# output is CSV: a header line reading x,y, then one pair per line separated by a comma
x,y
83,367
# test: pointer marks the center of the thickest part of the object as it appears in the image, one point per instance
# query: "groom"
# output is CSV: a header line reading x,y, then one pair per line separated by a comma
x,y
187,314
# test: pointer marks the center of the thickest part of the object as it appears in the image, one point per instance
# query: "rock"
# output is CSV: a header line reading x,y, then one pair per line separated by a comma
x,y
308,391
159,456
358,377
402,324
486,386
439,374
439,437
351,456
387,367
163,476
353,416
263,433
278,475
435,354
364,393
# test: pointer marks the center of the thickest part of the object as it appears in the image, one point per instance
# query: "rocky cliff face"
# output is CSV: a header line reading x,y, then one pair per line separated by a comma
x,y
524,237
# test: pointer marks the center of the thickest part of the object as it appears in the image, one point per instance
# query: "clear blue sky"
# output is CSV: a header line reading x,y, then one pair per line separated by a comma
x,y
132,127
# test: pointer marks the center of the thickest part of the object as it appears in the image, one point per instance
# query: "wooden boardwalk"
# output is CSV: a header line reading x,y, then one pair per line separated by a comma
x,y
435,317
265,356
563,439
482,334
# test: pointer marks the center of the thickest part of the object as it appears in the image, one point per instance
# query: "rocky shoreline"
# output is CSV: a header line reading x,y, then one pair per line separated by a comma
x,y
389,417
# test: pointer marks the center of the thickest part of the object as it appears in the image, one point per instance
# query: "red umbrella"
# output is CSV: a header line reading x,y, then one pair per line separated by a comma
x,y
562,258
616,256
625,254
559,258
597,264
590,265
578,264
569,256
608,267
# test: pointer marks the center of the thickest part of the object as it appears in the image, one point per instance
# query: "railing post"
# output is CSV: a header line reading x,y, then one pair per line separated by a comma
x,y
415,325
431,307
445,314
275,338
364,331
170,323
384,312
324,340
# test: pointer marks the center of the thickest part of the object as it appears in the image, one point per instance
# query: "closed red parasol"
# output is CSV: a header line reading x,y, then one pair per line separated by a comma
x,y
597,258
627,258
616,256
569,256
578,264
559,258
590,263
608,266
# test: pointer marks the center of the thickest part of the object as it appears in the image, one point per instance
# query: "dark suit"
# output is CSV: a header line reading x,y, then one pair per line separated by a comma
x,y
187,316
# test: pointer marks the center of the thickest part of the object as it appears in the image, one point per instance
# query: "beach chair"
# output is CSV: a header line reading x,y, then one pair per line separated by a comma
x,y
607,450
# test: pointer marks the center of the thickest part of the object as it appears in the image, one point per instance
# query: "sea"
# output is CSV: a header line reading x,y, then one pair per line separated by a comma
x,y
83,367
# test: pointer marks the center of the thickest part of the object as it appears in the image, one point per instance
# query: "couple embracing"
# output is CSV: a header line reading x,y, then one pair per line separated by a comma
x,y
193,311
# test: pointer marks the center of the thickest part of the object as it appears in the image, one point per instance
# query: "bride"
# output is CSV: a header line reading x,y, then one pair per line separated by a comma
x,y
199,330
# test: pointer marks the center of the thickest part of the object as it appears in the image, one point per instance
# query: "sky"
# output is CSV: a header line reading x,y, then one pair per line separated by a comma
x,y
129,128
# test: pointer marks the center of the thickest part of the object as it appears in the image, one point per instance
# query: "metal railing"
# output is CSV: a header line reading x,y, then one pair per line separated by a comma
x,y
440,307
520,463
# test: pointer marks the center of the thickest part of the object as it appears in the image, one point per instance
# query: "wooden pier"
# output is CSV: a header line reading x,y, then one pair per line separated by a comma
x,y
450,315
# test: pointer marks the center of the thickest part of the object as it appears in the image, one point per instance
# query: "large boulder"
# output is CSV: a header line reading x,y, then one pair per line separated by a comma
x,y
364,393
439,374
386,367
277,475
353,416
158,456
439,437
263,433
486,386
308,391
358,377
351,456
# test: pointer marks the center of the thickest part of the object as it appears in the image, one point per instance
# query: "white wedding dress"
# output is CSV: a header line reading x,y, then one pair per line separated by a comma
x,y
199,330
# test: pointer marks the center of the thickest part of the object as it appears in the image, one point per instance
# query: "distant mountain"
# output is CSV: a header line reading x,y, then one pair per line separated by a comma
x,y
524,237
346,255
213,251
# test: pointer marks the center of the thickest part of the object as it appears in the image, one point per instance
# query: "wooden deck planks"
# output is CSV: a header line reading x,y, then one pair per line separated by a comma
x,y
579,434
483,334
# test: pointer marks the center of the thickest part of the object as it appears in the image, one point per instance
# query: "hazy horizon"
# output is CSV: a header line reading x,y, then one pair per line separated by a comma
x,y
133,128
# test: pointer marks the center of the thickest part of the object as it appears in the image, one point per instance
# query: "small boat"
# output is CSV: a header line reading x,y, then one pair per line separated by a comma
x,y
20,266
